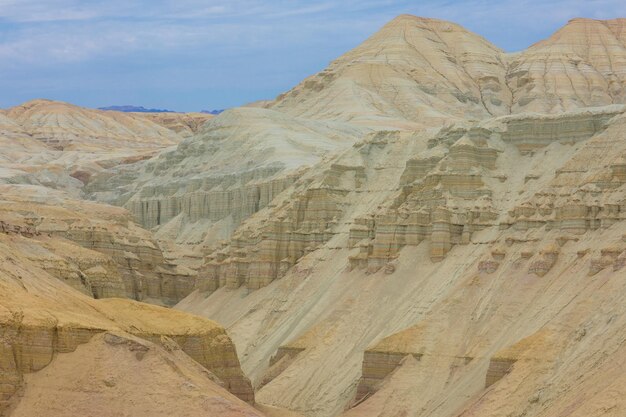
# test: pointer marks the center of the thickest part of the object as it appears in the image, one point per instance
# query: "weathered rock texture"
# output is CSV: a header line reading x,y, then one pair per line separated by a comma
x,y
96,249
117,374
185,124
473,237
199,192
414,70
62,146
581,65
428,71
62,126
41,317
445,196
413,73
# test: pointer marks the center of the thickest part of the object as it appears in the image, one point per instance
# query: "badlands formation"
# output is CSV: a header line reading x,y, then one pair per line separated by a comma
x,y
428,227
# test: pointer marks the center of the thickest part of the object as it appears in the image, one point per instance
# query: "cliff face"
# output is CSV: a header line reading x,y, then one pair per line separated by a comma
x,y
131,374
97,249
462,216
199,192
415,73
456,231
449,196
42,317
454,184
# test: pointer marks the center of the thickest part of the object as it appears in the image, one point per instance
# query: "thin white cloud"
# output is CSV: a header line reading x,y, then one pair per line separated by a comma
x,y
30,11
57,31
45,36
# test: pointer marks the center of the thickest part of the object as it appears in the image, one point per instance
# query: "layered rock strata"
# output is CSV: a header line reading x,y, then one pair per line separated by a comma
x,y
581,65
430,205
467,226
256,258
130,375
62,126
62,146
207,199
201,191
447,196
440,71
43,317
376,367
95,248
462,231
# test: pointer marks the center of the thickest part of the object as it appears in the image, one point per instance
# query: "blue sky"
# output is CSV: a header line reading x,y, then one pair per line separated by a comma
x,y
189,55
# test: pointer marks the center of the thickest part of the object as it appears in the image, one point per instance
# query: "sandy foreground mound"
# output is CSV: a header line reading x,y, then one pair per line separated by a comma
x,y
41,317
120,375
59,253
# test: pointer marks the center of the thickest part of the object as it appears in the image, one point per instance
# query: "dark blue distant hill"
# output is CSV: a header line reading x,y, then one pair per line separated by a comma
x,y
135,109
215,112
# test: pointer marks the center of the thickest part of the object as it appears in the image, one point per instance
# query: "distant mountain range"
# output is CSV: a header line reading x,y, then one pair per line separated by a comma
x,y
141,109
135,109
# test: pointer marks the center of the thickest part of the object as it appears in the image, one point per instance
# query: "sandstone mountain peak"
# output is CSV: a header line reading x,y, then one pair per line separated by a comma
x,y
583,32
582,64
439,71
443,71
409,19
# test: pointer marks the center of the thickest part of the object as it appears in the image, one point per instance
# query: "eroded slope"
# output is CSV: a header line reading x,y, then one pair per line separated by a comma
x,y
479,235
40,317
200,191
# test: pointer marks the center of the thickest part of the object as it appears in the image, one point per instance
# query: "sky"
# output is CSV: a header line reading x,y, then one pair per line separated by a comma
x,y
190,55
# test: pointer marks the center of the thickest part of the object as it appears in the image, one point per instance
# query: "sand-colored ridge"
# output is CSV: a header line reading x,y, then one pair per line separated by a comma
x,y
97,377
185,124
96,248
436,248
41,316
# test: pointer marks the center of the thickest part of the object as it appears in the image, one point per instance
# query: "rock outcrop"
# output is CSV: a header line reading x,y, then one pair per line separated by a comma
x,y
130,375
199,192
469,232
42,317
413,73
97,249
